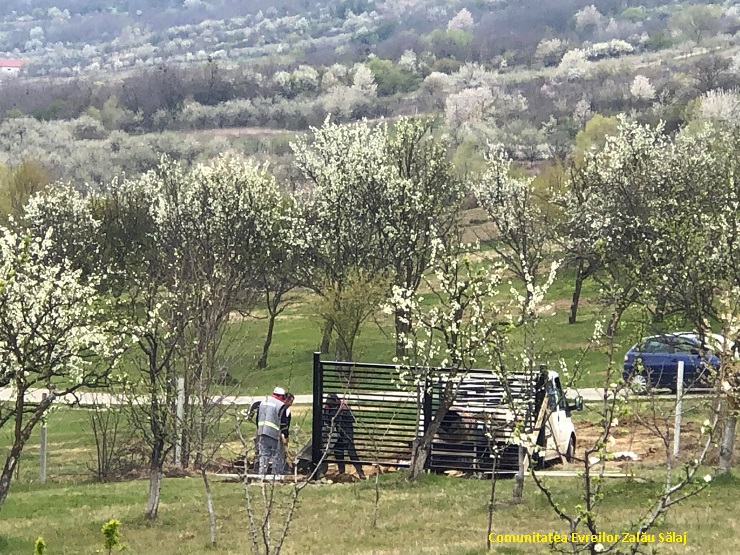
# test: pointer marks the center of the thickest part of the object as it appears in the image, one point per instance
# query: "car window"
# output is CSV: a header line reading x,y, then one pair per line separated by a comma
x,y
655,346
561,396
552,396
685,346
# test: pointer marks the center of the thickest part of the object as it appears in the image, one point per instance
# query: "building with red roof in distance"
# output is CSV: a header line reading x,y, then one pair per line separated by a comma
x,y
10,67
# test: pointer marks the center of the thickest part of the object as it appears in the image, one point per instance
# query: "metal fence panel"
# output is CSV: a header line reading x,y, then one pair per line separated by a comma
x,y
361,416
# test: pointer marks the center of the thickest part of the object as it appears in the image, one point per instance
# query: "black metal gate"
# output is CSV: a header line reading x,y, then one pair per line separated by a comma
x,y
362,417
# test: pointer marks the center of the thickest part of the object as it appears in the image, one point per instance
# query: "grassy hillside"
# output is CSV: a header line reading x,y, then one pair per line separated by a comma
x,y
298,334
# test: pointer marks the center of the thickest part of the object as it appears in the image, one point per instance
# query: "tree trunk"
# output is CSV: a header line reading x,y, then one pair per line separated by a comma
x,y
326,338
155,488
202,432
419,454
186,426
6,476
344,349
21,433
576,294
727,443
492,500
262,362
343,353
209,506
422,446
376,499
660,305
401,328
611,328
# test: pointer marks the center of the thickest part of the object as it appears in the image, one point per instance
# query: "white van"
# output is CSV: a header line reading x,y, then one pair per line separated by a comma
x,y
484,414
554,431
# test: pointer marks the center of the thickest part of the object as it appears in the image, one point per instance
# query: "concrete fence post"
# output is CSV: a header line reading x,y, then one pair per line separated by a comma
x,y
179,423
42,451
679,401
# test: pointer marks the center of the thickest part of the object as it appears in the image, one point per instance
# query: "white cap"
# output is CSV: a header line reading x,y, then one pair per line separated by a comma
x,y
278,391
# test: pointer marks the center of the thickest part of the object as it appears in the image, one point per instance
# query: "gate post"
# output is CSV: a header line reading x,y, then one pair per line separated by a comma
x,y
428,405
316,425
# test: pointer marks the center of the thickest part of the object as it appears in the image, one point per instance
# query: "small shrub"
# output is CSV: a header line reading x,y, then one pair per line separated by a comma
x,y
39,547
111,534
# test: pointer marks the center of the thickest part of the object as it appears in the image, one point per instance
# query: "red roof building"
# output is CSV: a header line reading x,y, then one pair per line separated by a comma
x,y
11,67
12,63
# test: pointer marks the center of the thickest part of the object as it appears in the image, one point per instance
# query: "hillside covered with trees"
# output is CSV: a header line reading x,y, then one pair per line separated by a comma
x,y
526,74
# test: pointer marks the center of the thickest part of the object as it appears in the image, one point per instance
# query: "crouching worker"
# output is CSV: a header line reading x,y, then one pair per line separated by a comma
x,y
268,433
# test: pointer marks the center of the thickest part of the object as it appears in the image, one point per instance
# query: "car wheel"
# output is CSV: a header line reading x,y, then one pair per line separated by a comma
x,y
638,384
570,451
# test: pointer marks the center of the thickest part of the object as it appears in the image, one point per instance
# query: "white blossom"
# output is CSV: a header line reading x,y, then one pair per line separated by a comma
x,y
574,65
463,20
721,105
642,88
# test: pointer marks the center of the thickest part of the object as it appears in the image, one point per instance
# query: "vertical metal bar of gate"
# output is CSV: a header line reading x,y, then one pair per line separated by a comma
x,y
428,407
318,406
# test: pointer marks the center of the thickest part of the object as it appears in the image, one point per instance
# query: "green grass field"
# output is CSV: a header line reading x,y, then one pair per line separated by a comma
x,y
437,515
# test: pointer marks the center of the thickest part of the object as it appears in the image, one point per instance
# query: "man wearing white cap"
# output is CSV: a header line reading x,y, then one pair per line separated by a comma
x,y
268,432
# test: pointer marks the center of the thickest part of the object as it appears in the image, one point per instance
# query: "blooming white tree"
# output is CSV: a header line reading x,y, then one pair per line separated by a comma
x,y
642,89
435,88
463,20
340,101
363,81
465,327
582,112
462,328
588,16
57,335
239,236
620,183
612,49
472,75
381,198
525,232
658,215
191,247
468,106
345,164
306,78
149,287
735,64
418,208
345,101
549,51
408,61
69,213
723,106
574,65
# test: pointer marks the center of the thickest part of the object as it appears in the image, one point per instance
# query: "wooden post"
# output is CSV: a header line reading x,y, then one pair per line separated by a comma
x,y
679,400
179,421
317,440
42,451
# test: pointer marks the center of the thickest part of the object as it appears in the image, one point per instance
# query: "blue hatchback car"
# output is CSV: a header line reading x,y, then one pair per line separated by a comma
x,y
653,363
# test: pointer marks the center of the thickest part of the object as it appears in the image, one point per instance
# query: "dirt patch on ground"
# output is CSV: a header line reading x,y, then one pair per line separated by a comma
x,y
646,438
